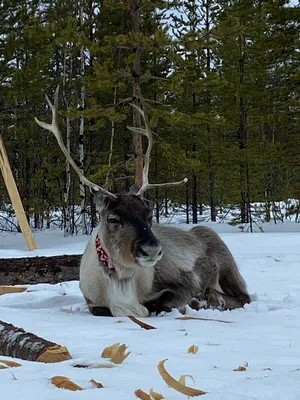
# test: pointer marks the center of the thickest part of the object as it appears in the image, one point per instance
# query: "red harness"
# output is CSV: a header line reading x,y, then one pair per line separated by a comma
x,y
103,256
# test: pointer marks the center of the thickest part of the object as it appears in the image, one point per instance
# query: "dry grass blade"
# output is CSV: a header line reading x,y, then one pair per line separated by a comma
x,y
155,395
240,368
116,352
173,383
186,318
96,384
141,323
63,382
140,394
193,349
9,364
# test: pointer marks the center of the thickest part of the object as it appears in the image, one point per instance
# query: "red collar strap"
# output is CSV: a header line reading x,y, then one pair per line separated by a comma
x,y
103,256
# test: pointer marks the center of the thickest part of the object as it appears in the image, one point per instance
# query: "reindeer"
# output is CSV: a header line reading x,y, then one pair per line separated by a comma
x,y
132,268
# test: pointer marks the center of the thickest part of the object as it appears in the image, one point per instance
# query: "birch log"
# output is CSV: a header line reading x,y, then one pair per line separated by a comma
x,y
17,343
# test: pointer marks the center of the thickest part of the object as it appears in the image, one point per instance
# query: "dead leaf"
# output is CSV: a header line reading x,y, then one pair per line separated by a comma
x,y
277,260
268,369
119,322
63,382
241,368
9,364
140,394
116,352
96,384
155,396
186,318
173,383
193,349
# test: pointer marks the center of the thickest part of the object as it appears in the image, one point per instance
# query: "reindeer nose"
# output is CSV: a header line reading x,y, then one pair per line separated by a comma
x,y
149,250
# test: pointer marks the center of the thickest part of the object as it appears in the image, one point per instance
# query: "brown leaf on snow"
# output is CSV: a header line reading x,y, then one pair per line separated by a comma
x,y
155,395
96,384
63,382
9,364
140,394
240,368
176,385
193,349
116,352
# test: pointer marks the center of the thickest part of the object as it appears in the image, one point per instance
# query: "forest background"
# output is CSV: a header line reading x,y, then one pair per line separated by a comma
x,y
221,84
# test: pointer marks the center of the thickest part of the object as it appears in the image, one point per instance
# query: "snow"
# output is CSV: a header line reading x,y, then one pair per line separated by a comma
x,y
264,336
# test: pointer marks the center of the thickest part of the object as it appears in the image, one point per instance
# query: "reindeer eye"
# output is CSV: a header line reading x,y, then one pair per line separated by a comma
x,y
114,220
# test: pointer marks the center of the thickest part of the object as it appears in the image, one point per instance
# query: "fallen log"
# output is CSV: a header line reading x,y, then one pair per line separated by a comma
x,y
16,343
32,270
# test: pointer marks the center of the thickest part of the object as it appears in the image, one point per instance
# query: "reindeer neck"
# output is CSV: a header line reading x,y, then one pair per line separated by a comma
x,y
116,271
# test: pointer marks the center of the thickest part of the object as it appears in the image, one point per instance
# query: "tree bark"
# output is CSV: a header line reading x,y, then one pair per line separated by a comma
x,y
242,136
67,207
16,343
32,270
84,229
136,73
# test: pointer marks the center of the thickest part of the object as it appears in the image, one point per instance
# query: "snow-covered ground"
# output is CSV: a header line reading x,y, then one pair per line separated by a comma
x,y
264,336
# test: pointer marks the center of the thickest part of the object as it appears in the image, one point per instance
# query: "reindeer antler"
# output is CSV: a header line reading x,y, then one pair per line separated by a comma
x,y
53,127
147,132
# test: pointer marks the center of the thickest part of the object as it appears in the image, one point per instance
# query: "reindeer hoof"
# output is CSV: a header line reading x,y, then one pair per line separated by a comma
x,y
100,311
198,303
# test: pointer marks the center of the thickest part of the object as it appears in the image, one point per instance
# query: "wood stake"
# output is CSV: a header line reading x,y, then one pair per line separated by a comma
x,y
14,195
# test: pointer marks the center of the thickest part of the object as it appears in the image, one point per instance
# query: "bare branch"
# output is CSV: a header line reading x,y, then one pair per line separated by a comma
x,y
53,127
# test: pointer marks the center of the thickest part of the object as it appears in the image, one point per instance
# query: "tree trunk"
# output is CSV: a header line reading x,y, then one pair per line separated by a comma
x,y
187,204
242,136
32,270
84,229
211,174
136,73
67,207
194,200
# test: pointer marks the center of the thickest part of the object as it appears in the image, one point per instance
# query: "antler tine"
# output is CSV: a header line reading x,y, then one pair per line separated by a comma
x,y
147,132
54,128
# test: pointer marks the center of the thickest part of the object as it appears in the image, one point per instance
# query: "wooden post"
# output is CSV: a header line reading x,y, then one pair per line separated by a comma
x,y
14,195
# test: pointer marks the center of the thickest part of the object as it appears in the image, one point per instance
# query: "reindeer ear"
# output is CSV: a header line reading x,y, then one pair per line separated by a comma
x,y
133,189
101,201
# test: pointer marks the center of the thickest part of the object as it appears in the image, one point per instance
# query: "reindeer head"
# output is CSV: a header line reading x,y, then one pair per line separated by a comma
x,y
125,219
125,230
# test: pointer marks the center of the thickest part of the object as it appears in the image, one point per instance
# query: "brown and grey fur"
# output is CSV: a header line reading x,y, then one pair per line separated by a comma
x,y
156,268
